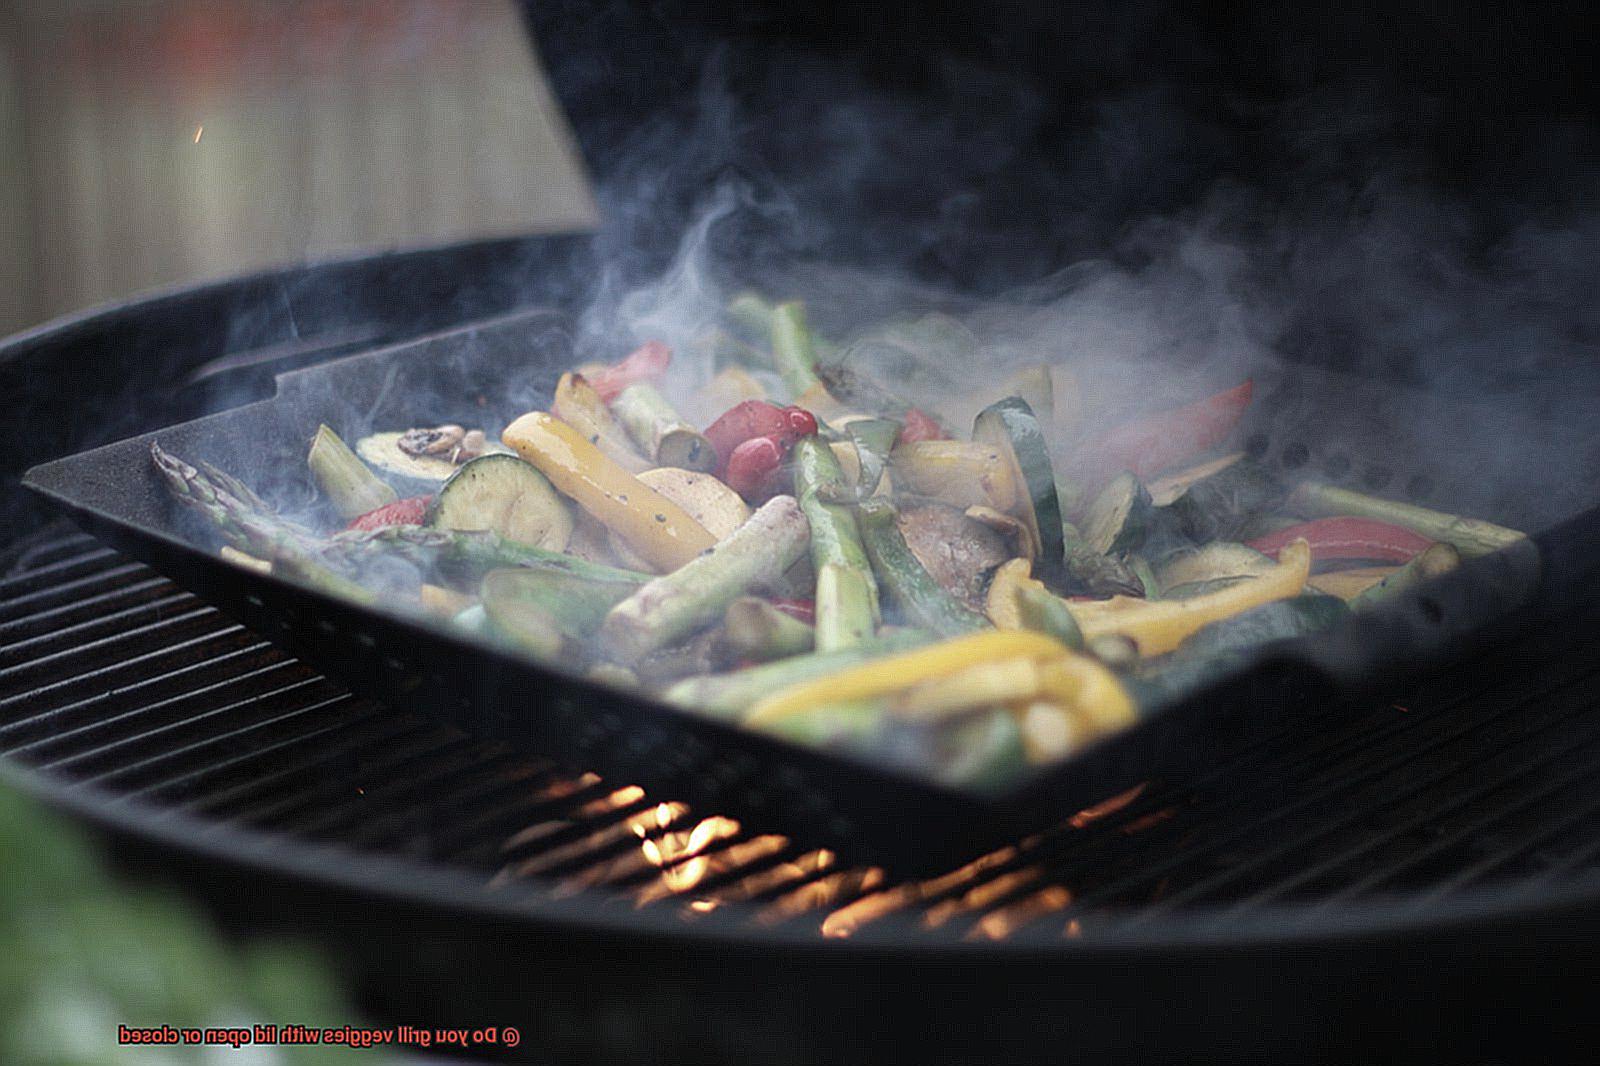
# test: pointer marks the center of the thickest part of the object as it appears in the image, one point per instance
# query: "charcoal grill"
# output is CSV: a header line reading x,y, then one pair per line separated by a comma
x,y
1406,852
1412,875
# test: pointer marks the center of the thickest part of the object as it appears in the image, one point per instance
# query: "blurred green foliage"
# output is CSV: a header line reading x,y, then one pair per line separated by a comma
x,y
81,953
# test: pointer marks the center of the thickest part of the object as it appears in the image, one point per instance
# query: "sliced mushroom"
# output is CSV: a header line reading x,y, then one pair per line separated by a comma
x,y
440,440
957,551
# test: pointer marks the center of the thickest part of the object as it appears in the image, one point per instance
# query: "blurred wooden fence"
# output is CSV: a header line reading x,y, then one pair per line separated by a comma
x,y
147,143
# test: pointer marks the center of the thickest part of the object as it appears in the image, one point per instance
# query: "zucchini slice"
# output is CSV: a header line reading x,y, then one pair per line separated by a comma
x,y
507,495
1218,560
1010,426
1119,518
414,475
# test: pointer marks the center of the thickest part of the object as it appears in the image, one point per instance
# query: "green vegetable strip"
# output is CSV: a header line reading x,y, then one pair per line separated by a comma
x,y
852,604
697,593
751,314
1470,536
1043,611
923,600
350,486
577,605
844,608
659,431
728,695
792,349
756,630
1437,559
460,557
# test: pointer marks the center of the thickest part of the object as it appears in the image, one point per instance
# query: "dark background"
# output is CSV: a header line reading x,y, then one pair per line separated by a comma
x,y
986,142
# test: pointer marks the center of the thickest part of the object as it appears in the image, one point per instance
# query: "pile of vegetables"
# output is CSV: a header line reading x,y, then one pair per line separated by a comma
x,y
824,561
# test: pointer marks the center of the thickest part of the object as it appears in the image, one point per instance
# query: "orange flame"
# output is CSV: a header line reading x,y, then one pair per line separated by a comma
x,y
1090,815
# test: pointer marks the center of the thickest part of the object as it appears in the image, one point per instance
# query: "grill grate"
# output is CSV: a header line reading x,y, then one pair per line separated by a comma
x,y
111,676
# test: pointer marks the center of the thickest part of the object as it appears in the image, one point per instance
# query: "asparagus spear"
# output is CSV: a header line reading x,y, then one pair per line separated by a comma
x,y
851,604
755,629
792,349
1439,558
464,557
728,695
350,486
696,594
660,431
923,600
1471,537
844,606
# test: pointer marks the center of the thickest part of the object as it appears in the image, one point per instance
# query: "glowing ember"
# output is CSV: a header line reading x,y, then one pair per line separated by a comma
x,y
847,919
997,925
1090,815
980,896
1149,821
703,906
820,893
1074,929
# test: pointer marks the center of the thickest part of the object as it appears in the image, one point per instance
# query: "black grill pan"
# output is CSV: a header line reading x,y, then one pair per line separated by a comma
x,y
493,370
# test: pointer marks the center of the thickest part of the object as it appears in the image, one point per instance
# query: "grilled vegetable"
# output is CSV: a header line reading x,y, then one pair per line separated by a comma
x,y
751,313
1470,536
1119,518
576,603
1225,646
353,489
1018,601
792,350
506,495
645,363
411,474
920,426
881,677
1435,561
1165,490
654,527
1226,505
1160,626
1159,442
578,405
730,387
750,419
729,695
1011,428
961,473
1092,573
461,559
1348,584
957,551
872,440
411,511
697,593
659,432
756,630
849,608
844,606
706,500
1347,538
1218,560
921,599
754,468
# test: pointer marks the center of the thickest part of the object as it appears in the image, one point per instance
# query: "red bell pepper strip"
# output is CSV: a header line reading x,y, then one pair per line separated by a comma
x,y
1147,446
805,610
918,425
1348,538
649,360
406,512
